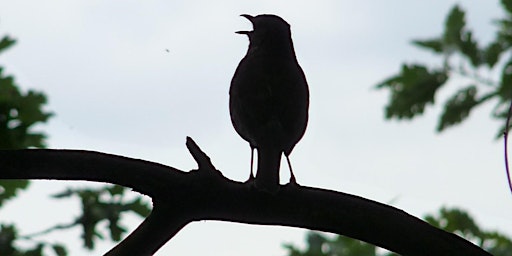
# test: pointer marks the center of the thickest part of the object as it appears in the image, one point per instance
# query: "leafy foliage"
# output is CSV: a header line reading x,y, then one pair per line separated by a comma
x,y
452,220
457,108
103,204
411,90
416,85
320,245
460,223
8,236
19,112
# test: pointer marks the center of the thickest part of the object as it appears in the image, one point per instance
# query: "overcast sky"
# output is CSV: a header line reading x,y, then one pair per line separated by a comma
x,y
114,88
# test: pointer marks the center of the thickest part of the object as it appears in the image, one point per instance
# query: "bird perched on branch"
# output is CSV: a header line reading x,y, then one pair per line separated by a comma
x,y
269,98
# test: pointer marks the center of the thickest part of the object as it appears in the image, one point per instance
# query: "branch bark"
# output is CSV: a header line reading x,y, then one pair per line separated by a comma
x,y
204,194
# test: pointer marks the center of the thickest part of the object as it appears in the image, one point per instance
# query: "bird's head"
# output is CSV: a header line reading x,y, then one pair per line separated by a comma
x,y
268,30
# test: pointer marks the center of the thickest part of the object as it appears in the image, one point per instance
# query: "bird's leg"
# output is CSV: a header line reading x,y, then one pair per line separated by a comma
x,y
292,177
251,177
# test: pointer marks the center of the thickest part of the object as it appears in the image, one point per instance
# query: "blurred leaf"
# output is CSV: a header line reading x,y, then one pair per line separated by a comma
x,y
436,45
347,246
497,244
116,230
504,93
492,53
507,5
7,236
10,189
60,250
500,112
36,251
18,113
5,43
458,221
411,90
458,107
469,48
454,26
66,193
139,207
505,89
116,190
505,31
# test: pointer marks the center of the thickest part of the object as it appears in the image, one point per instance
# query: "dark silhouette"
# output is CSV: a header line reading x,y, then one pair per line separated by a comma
x,y
269,97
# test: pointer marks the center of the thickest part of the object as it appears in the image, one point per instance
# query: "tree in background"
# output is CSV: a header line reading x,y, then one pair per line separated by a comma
x,y
19,113
414,88
453,220
461,56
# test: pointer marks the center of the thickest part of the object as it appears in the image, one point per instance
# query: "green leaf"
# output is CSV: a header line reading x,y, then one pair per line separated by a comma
x,y
9,189
116,190
469,48
8,235
5,43
458,107
116,230
505,89
493,52
504,92
505,31
18,113
411,90
139,207
507,5
456,220
454,26
66,193
347,246
36,251
497,244
60,250
436,45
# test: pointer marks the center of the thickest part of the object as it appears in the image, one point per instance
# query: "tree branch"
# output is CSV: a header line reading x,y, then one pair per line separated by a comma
x,y
204,194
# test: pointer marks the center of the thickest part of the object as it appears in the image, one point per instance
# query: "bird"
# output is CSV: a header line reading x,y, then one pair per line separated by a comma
x,y
269,98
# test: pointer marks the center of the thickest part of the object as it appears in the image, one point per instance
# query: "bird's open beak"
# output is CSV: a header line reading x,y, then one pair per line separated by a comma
x,y
249,17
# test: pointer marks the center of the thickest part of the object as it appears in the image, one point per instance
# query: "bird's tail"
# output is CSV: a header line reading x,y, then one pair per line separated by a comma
x,y
267,176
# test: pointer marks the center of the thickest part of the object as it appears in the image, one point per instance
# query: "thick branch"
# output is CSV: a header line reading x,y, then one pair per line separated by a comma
x,y
205,194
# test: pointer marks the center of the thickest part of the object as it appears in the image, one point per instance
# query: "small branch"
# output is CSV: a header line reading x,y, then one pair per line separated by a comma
x,y
505,140
49,230
203,161
180,198
475,77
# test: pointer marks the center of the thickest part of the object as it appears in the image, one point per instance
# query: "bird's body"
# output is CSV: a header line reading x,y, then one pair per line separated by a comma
x,y
269,97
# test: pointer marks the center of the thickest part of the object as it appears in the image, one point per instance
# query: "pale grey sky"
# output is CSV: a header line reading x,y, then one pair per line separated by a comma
x,y
115,88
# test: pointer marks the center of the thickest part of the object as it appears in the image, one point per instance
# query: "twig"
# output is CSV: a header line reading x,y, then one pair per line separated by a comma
x,y
461,71
49,230
505,138
203,161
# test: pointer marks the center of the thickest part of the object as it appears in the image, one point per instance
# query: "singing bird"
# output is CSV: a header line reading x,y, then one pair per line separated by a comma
x,y
269,98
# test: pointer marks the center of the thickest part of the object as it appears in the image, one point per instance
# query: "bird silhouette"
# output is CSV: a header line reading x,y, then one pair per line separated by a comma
x,y
269,98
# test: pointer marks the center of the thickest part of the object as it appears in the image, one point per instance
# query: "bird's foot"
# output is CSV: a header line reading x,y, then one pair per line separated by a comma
x,y
250,179
293,181
251,182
